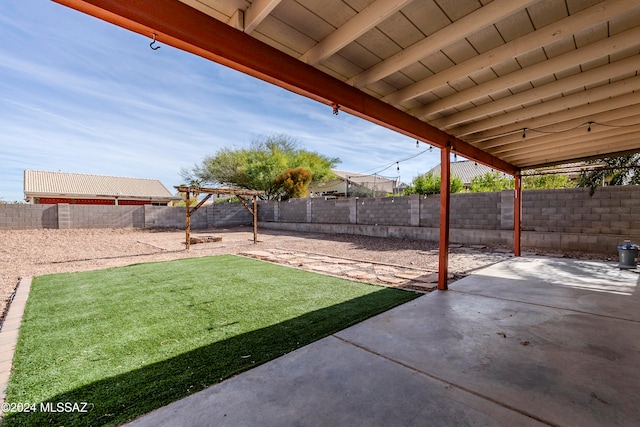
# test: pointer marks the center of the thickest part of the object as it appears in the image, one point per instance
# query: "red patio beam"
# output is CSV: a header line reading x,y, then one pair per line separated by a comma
x,y
179,25
517,216
445,202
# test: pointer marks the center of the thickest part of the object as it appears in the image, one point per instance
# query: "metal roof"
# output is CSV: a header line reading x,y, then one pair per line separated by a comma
x,y
466,170
39,183
513,84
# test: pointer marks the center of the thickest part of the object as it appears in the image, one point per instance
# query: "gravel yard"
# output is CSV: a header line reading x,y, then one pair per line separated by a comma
x,y
37,252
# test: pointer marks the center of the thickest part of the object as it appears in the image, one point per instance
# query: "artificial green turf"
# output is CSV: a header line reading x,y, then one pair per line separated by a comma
x,y
129,340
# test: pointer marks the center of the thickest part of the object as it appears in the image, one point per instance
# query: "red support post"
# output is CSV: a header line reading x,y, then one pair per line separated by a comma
x,y
445,197
517,216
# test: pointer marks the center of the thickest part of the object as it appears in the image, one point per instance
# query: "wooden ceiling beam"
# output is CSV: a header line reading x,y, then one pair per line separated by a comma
x,y
587,112
367,19
257,12
576,81
626,140
528,145
185,28
622,152
484,16
564,108
560,128
599,49
554,32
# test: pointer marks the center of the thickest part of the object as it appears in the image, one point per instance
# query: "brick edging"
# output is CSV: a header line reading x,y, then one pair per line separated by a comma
x,y
9,332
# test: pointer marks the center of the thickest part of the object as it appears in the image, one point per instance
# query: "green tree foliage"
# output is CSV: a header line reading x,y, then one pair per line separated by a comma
x,y
490,182
256,167
627,172
545,182
430,184
495,181
293,182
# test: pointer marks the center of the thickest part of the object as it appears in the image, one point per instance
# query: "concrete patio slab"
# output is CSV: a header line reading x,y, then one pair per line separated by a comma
x,y
529,341
333,383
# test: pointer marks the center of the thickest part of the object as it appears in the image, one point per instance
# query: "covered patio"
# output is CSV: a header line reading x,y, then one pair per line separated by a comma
x,y
511,84
528,341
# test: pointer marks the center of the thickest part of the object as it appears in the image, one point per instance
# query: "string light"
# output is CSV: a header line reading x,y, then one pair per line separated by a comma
x,y
524,131
397,162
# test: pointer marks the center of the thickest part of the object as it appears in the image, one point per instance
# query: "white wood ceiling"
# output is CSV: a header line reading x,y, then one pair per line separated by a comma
x,y
532,82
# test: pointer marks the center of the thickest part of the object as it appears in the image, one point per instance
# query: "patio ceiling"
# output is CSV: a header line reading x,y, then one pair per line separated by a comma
x,y
513,84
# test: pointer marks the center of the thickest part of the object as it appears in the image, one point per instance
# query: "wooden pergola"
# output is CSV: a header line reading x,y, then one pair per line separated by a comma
x,y
239,193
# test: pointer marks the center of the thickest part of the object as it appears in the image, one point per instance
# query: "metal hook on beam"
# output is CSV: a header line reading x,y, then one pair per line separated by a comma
x,y
153,42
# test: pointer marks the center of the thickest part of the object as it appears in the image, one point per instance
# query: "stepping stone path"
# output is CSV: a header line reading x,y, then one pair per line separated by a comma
x,y
370,272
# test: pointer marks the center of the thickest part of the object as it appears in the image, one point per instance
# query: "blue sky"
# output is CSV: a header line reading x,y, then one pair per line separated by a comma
x,y
80,95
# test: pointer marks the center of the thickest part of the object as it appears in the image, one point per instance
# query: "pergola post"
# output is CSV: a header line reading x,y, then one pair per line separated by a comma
x,y
187,225
445,197
517,216
211,191
255,219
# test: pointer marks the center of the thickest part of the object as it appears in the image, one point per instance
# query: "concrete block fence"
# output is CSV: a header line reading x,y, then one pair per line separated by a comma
x,y
569,219
104,216
564,219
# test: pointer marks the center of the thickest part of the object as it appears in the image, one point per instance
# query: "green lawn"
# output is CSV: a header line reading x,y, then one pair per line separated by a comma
x,y
129,340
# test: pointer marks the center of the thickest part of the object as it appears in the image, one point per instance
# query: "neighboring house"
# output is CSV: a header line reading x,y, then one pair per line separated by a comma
x,y
466,170
349,184
42,187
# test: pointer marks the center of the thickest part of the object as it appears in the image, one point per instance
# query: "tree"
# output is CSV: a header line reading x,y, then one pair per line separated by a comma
x,y
622,170
293,182
430,184
490,182
545,182
257,167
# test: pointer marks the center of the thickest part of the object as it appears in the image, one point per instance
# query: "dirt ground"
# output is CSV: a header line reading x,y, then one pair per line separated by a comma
x,y
36,252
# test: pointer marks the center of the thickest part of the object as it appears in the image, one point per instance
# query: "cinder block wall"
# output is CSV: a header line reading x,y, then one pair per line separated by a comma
x,y
333,211
384,211
611,210
99,216
18,217
570,219
173,217
227,215
293,210
477,211
104,216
